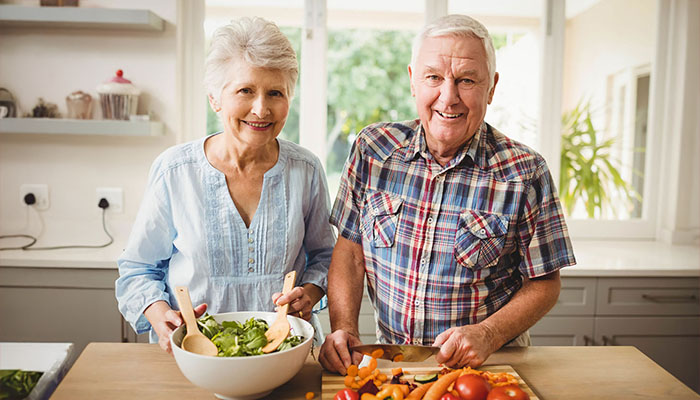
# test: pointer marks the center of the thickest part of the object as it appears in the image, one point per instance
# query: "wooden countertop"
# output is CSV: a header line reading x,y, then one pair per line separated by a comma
x,y
132,370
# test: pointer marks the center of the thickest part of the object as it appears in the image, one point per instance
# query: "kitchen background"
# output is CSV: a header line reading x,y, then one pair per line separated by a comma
x,y
631,67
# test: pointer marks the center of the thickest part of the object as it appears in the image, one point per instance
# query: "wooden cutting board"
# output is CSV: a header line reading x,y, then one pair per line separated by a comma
x,y
332,383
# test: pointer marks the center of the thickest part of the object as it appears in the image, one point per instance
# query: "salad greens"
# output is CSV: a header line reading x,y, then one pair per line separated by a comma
x,y
16,384
236,339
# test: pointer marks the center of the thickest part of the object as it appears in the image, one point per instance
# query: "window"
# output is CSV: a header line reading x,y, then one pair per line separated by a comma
x,y
563,66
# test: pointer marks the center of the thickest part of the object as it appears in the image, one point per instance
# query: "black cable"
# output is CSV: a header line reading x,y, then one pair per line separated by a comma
x,y
79,246
17,236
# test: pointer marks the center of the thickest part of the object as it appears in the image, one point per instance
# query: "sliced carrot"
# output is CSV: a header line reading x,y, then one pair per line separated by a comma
x,y
349,380
382,377
417,393
309,395
396,371
378,353
398,358
372,365
441,385
352,370
363,372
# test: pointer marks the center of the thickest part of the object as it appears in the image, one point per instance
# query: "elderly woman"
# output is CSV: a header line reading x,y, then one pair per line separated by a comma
x,y
230,214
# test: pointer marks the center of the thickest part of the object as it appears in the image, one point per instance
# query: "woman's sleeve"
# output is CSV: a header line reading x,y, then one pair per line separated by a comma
x,y
144,262
319,238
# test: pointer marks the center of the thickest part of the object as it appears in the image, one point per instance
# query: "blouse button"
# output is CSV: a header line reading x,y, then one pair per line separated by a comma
x,y
251,261
251,269
250,240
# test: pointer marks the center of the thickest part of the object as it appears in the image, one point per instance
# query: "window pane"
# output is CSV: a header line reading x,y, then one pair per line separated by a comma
x,y
607,64
514,27
287,14
369,49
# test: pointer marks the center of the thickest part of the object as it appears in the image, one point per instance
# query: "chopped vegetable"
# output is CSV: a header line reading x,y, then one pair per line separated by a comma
x,y
346,394
368,387
309,395
17,384
425,378
236,339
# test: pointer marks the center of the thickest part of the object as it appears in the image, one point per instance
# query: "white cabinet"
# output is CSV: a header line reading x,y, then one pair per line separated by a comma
x,y
75,305
659,316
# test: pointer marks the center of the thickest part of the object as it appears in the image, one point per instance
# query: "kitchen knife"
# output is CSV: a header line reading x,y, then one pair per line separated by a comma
x,y
391,351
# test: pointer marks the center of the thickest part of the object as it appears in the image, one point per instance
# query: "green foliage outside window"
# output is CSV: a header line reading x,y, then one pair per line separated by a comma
x,y
589,174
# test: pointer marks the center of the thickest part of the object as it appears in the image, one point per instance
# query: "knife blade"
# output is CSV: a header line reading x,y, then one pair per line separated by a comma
x,y
410,353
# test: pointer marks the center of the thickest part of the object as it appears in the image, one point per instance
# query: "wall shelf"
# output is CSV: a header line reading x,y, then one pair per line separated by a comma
x,y
80,127
79,17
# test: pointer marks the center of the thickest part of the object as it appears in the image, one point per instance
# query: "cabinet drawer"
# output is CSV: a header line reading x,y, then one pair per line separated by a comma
x,y
563,331
577,297
648,296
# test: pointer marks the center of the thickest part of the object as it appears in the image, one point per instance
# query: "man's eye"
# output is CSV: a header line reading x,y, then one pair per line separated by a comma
x,y
245,91
433,77
466,81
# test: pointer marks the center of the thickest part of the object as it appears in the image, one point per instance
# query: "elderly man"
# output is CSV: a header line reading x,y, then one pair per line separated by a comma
x,y
458,229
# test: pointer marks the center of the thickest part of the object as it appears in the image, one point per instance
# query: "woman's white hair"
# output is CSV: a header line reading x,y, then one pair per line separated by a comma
x,y
257,41
460,26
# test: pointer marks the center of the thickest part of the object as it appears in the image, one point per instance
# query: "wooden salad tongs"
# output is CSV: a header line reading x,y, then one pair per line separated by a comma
x,y
279,329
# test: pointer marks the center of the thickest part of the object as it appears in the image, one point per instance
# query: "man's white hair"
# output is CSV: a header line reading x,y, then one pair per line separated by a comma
x,y
257,41
460,26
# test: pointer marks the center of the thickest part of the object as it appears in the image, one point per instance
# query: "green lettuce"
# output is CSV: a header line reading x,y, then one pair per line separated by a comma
x,y
236,339
17,384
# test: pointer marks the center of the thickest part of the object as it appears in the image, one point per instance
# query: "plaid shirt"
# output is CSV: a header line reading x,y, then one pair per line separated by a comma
x,y
447,246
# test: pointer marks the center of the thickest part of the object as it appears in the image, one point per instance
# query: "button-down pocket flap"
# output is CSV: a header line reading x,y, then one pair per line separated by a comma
x,y
383,204
484,225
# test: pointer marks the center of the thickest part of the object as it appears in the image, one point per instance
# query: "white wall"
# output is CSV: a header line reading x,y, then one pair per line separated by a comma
x,y
597,44
52,63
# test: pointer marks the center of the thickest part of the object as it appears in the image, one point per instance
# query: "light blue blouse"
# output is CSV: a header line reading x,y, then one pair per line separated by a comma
x,y
188,232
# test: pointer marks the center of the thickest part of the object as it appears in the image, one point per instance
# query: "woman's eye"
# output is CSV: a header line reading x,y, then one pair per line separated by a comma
x,y
276,93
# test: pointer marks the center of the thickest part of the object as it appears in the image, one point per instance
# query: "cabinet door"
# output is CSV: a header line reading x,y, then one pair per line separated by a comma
x,y
576,297
672,342
648,296
367,324
59,305
562,331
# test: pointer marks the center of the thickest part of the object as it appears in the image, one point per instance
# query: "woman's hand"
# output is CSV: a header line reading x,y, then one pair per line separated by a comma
x,y
165,320
301,300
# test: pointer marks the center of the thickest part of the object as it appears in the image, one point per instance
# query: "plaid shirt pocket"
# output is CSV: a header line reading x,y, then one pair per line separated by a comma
x,y
480,238
381,218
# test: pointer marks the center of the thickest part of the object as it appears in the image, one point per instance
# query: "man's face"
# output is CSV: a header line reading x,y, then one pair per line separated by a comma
x,y
450,82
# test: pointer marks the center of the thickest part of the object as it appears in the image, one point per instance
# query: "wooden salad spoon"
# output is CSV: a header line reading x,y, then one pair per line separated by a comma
x,y
194,341
279,329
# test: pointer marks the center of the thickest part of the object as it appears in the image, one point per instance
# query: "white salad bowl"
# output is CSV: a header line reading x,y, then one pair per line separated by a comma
x,y
249,377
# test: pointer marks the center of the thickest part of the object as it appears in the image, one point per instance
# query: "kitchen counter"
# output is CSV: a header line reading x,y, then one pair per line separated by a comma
x,y
595,259
129,370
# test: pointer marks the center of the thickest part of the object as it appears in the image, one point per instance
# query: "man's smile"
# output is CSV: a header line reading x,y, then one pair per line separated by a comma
x,y
448,115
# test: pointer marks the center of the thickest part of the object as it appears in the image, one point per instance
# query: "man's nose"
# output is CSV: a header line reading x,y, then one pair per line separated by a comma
x,y
260,107
449,94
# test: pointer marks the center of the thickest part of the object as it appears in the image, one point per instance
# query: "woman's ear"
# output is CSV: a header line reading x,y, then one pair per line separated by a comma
x,y
214,104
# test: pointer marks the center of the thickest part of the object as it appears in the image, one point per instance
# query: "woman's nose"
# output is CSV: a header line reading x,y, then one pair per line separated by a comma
x,y
260,108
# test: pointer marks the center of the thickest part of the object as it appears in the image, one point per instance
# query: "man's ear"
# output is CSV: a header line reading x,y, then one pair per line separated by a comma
x,y
213,103
493,88
410,80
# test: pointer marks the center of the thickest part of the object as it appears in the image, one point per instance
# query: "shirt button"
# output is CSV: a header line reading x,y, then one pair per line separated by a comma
x,y
430,220
417,302
422,261
482,231
251,261
251,269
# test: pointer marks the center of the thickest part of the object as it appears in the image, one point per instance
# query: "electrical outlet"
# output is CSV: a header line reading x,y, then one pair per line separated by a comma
x,y
40,192
115,197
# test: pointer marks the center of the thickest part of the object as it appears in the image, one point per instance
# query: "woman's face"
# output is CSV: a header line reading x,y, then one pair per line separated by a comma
x,y
254,103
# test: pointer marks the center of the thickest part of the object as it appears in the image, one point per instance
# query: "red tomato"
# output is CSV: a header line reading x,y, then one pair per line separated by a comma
x,y
346,394
472,387
449,396
508,392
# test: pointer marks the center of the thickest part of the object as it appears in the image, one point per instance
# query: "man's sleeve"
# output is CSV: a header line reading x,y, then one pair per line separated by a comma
x,y
346,209
543,238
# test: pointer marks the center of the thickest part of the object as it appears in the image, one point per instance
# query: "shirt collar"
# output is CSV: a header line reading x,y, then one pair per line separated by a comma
x,y
418,145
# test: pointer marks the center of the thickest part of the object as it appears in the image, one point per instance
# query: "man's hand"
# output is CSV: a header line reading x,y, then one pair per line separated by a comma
x,y
468,345
335,352
165,320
